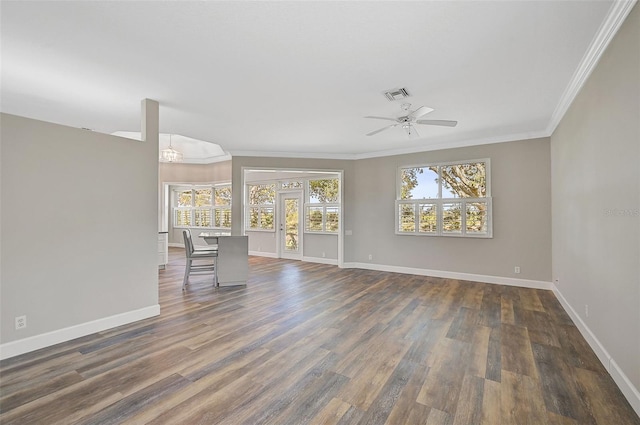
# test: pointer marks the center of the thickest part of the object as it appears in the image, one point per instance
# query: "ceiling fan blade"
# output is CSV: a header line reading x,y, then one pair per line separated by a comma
x,y
446,123
382,129
382,118
423,110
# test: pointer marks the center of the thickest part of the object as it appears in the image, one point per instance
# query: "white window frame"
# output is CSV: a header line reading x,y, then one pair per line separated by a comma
x,y
221,208
439,202
324,205
283,183
261,208
192,209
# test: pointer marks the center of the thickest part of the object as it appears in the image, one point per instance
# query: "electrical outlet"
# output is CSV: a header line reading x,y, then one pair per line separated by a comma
x,y
516,269
586,310
21,322
370,257
556,281
324,255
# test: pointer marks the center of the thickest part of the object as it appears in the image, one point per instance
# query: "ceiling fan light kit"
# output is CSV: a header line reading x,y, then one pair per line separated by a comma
x,y
407,121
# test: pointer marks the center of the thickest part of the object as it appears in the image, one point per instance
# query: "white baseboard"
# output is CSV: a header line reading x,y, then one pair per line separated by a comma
x,y
628,389
500,280
36,342
330,261
626,386
263,254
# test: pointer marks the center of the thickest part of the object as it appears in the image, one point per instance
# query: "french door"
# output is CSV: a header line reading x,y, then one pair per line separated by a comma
x,y
290,225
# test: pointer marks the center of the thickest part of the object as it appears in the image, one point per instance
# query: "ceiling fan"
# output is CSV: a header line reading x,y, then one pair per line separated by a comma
x,y
407,121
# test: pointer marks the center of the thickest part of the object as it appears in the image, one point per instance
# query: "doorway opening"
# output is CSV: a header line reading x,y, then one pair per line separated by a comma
x,y
293,214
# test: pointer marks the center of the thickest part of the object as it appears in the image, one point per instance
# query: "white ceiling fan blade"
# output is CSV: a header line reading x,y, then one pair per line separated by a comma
x,y
382,118
382,129
446,123
423,110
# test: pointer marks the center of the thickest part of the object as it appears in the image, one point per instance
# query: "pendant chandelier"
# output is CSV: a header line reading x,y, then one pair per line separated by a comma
x,y
169,154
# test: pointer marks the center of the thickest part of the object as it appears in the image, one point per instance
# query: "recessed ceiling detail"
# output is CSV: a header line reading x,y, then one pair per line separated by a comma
x,y
194,151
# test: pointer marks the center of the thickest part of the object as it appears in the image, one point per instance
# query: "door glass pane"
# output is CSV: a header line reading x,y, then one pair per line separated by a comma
x,y
291,224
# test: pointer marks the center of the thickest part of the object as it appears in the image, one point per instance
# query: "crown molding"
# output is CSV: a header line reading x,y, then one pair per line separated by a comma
x,y
616,16
514,137
618,12
313,155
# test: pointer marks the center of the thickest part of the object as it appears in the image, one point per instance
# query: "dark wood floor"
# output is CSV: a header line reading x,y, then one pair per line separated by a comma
x,y
307,343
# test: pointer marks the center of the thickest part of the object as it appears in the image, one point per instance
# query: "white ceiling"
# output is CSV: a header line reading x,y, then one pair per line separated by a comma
x,y
193,151
297,78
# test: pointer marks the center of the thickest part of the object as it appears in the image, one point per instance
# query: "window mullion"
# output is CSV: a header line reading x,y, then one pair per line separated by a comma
x,y
416,216
440,218
463,217
324,218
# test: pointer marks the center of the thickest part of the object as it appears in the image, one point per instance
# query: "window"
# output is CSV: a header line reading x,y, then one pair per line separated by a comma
x,y
202,206
293,184
322,210
450,199
182,210
314,219
222,207
261,206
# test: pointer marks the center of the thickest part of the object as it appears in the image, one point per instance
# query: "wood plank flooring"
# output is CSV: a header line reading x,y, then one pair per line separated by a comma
x,y
307,343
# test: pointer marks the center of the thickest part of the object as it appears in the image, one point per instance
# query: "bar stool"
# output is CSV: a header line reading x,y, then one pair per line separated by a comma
x,y
192,254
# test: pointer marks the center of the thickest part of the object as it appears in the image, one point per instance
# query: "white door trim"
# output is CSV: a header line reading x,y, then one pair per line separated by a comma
x,y
280,225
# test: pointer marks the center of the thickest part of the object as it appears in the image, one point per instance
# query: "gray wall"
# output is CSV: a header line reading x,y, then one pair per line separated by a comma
x,y
263,242
520,187
520,179
595,155
315,245
79,242
195,173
